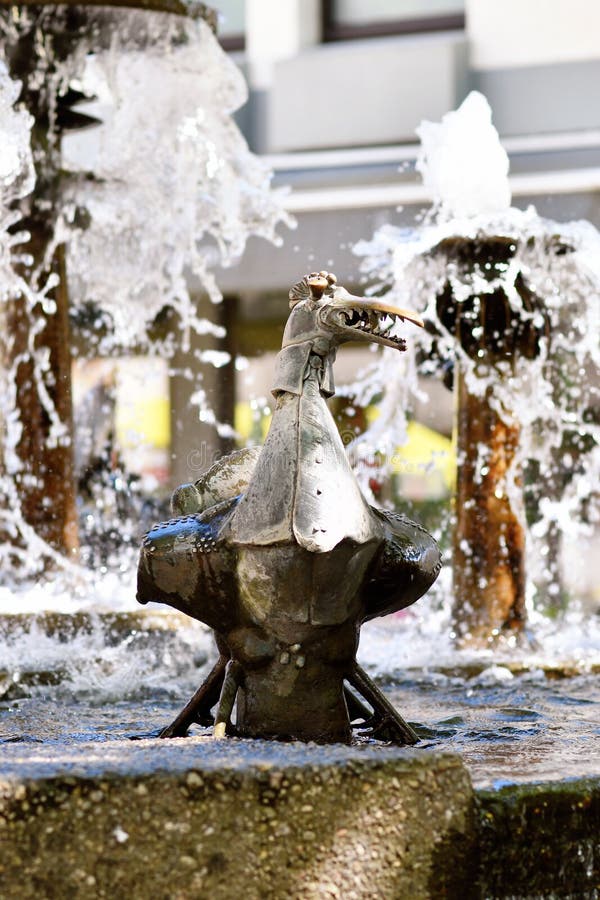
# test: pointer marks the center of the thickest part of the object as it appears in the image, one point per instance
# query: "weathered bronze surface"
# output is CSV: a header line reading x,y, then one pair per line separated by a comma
x,y
278,551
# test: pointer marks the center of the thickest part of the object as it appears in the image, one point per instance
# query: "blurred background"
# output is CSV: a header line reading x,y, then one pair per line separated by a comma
x,y
336,91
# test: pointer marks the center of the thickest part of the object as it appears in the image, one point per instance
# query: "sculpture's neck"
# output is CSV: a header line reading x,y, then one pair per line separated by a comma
x,y
299,362
303,488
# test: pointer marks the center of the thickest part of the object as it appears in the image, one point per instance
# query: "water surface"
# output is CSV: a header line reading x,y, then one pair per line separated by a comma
x,y
521,728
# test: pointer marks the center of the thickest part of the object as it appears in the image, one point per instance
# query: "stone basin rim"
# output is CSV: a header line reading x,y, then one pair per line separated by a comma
x,y
201,753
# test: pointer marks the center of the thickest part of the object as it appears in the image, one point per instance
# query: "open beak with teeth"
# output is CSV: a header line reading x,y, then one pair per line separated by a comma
x,y
361,319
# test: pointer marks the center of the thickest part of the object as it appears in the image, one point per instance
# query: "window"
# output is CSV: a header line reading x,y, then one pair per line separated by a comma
x,y
231,22
348,19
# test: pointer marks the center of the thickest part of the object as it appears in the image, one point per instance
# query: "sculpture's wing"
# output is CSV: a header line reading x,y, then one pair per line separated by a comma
x,y
188,565
226,479
408,563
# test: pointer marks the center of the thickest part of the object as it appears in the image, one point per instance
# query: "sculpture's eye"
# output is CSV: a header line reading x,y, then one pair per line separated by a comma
x,y
338,317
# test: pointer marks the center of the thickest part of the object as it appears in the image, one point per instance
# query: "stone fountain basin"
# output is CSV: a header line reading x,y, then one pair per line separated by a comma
x,y
86,676
195,817
512,810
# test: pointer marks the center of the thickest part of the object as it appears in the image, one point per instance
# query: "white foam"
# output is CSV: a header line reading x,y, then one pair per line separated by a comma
x,y
176,190
462,161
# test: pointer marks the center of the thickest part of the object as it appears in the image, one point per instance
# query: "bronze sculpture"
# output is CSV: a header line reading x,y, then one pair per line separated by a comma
x,y
279,553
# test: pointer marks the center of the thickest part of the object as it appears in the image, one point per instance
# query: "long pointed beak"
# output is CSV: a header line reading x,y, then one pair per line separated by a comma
x,y
366,319
343,297
383,307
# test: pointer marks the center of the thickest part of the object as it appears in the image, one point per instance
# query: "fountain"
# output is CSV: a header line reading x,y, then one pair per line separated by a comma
x,y
122,258
364,819
510,302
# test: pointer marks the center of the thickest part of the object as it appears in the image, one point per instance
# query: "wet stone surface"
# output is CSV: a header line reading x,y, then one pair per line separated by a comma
x,y
506,729
80,799
540,840
194,818
86,812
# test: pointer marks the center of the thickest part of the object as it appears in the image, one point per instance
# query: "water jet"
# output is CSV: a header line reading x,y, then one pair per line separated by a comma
x,y
67,203
509,301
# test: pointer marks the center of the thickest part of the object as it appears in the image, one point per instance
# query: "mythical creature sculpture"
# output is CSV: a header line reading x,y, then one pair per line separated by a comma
x,y
279,553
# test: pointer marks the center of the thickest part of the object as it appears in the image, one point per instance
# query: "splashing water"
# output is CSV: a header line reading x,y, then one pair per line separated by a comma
x,y
17,179
555,396
17,175
156,196
463,163
175,191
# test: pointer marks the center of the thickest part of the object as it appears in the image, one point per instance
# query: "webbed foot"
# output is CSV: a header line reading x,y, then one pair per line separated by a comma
x,y
144,735
385,724
386,728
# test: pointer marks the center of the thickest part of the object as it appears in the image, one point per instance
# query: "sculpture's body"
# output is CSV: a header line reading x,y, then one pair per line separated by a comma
x,y
286,571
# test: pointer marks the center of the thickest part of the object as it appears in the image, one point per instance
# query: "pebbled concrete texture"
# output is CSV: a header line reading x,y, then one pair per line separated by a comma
x,y
198,818
195,818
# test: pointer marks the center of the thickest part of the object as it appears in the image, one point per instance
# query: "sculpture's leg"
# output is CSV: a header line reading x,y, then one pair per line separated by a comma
x,y
199,707
386,723
356,709
233,679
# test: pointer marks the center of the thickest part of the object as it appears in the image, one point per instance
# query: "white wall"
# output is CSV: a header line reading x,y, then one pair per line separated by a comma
x,y
355,93
276,30
514,33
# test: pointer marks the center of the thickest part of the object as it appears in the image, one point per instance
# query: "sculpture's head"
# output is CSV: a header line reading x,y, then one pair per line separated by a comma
x,y
326,314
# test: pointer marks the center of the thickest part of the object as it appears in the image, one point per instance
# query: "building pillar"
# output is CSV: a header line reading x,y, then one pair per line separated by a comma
x,y
275,30
202,395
